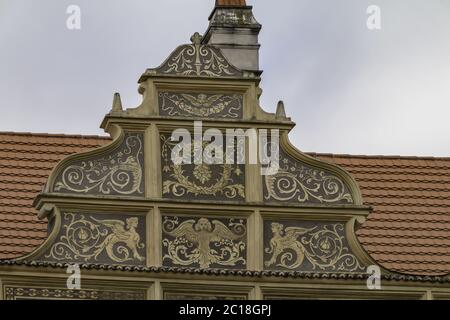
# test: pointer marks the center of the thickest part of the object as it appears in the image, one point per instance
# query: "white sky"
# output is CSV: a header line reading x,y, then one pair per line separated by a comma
x,y
350,90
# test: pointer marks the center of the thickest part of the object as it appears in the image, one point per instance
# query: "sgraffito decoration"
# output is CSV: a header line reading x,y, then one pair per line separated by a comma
x,y
119,172
200,297
196,60
223,182
90,238
204,242
201,105
308,246
297,182
25,293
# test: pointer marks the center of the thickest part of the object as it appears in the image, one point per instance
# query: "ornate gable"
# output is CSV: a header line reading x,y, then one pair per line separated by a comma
x,y
245,215
130,204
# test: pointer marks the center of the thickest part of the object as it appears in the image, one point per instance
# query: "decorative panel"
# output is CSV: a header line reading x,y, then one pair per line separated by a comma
x,y
299,183
225,182
117,172
31,293
201,105
204,242
308,246
196,60
100,239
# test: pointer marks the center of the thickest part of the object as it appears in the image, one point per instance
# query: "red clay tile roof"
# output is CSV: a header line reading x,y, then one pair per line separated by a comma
x,y
408,232
25,163
409,229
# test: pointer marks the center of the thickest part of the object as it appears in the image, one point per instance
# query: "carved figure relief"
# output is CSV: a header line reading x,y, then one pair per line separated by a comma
x,y
204,242
200,181
89,238
120,172
297,182
309,247
196,60
201,105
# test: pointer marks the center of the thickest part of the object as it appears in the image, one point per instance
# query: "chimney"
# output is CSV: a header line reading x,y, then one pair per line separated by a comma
x,y
234,29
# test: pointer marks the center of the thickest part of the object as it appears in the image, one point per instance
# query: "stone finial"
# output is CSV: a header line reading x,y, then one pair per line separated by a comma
x,y
235,3
281,112
117,103
196,38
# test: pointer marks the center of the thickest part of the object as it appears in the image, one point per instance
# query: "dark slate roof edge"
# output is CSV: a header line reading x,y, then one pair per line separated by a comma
x,y
239,273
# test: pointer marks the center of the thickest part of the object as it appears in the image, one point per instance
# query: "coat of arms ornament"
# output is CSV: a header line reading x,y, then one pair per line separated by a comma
x,y
201,181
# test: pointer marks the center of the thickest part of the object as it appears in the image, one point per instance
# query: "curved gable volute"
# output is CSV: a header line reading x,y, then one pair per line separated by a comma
x,y
303,180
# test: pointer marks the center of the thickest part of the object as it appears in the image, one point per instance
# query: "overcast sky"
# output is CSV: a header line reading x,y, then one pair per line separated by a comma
x,y
349,89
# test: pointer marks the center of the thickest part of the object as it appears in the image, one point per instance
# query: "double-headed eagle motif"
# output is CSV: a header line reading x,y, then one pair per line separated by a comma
x,y
201,234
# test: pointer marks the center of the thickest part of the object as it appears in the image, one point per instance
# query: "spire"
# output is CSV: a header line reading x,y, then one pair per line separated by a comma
x,y
117,103
234,29
281,111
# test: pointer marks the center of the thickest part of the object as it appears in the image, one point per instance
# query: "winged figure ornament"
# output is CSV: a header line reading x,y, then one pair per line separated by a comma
x,y
323,247
126,235
286,239
211,243
202,100
87,238
201,105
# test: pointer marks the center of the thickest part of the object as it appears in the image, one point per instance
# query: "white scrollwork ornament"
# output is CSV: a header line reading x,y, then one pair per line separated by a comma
x,y
85,239
323,247
117,173
297,182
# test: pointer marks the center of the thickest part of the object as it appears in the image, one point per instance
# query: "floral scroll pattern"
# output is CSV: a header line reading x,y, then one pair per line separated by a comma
x,y
297,182
197,60
309,248
201,105
118,173
203,182
204,242
85,238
